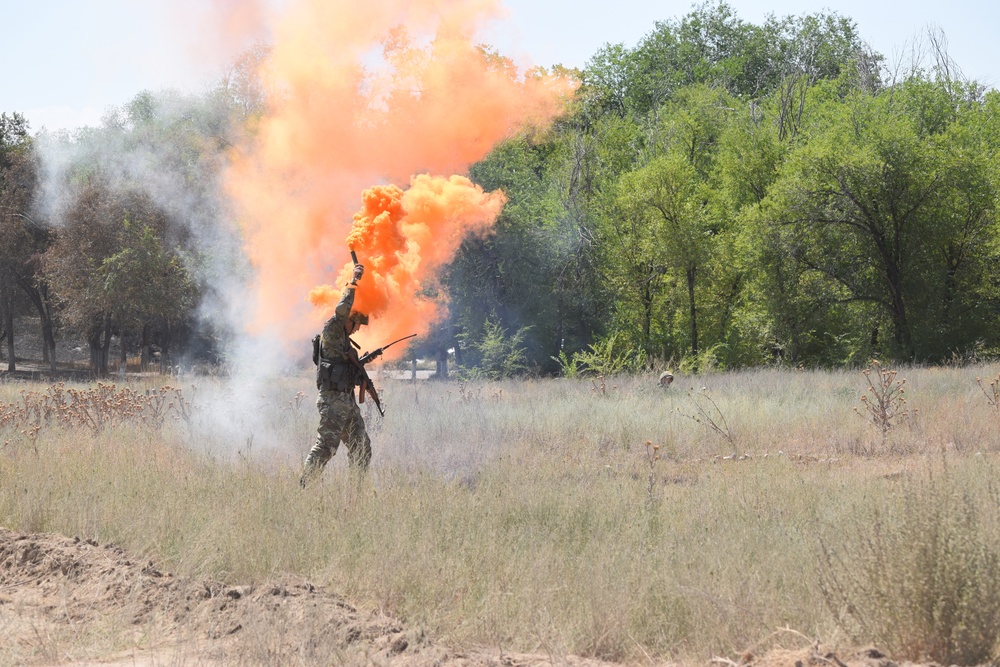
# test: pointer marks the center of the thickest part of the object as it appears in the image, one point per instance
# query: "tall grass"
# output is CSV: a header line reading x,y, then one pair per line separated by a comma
x,y
522,514
923,574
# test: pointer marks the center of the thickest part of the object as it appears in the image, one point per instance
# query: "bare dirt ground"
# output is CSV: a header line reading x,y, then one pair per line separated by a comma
x,y
112,608
55,586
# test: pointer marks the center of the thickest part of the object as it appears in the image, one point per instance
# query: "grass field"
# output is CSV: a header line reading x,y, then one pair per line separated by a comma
x,y
601,517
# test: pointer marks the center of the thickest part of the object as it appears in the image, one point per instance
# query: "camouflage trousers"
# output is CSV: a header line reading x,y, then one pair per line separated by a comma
x,y
339,420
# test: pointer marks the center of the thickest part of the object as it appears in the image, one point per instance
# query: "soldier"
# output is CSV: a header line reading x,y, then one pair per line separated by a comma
x,y
338,371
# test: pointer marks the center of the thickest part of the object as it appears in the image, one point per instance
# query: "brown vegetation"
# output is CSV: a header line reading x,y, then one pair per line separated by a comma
x,y
538,519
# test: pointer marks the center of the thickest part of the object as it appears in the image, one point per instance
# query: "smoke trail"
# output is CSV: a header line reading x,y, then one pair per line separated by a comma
x,y
405,236
364,100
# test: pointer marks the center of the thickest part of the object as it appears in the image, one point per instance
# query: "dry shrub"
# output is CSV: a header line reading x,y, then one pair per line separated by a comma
x,y
922,578
96,408
884,401
993,393
530,514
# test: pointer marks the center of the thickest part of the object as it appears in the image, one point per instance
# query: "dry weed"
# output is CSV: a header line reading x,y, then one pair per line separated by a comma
x,y
93,408
993,393
519,514
921,578
884,400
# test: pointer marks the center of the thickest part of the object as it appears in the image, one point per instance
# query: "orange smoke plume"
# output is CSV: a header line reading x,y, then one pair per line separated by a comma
x,y
361,100
403,237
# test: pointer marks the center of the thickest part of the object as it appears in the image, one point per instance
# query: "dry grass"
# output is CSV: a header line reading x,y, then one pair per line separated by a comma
x,y
531,515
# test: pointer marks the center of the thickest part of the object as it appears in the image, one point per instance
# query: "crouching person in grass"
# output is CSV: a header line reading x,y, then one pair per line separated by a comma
x,y
338,372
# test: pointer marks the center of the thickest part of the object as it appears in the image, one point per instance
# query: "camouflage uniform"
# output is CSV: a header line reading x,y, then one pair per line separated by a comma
x,y
336,376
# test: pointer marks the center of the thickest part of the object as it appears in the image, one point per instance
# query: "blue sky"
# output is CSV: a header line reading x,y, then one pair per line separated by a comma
x,y
66,61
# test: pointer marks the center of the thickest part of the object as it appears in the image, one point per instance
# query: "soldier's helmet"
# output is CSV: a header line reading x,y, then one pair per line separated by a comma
x,y
358,317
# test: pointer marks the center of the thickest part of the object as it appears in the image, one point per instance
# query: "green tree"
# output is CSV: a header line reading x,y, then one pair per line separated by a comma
x,y
17,184
109,266
496,354
156,162
149,282
661,226
531,273
712,45
890,201
82,242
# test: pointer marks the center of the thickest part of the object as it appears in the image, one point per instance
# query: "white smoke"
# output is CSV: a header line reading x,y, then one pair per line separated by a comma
x,y
172,147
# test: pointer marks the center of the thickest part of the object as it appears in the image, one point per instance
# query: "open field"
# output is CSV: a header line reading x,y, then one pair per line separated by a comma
x,y
727,517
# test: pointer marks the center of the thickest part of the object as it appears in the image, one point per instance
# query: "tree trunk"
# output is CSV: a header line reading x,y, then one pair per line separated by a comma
x,y
94,344
900,325
99,340
49,343
165,341
144,354
441,360
39,298
647,312
691,274
106,345
122,354
7,310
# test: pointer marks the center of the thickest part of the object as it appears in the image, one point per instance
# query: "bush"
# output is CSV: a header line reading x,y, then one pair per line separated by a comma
x,y
500,356
604,358
922,579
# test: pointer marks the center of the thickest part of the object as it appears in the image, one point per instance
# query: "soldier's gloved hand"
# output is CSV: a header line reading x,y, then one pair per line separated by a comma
x,y
359,271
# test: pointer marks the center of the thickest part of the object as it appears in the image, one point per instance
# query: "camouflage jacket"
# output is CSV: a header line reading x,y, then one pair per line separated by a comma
x,y
337,370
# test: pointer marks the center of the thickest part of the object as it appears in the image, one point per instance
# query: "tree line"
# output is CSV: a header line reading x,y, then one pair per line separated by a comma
x,y
721,194
728,194
119,232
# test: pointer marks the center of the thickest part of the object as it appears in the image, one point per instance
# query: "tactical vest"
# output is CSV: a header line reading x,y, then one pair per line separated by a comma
x,y
333,374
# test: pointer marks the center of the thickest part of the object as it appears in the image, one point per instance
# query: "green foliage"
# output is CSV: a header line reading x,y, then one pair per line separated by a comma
x,y
712,45
569,364
137,197
606,357
890,208
757,191
706,361
723,193
14,138
499,356
534,271
19,235
146,278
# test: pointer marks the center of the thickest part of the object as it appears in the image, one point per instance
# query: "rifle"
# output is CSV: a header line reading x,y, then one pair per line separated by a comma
x,y
366,382
368,356
368,388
